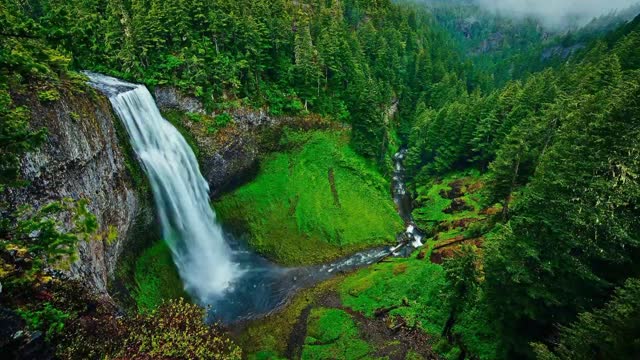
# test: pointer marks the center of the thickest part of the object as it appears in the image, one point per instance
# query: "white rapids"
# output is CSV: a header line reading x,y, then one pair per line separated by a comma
x,y
403,200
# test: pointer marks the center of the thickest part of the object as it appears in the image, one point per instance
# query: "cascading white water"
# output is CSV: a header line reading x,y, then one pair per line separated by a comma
x,y
203,258
403,200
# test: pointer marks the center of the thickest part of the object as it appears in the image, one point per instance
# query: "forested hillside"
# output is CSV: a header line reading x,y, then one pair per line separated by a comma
x,y
350,60
516,146
559,149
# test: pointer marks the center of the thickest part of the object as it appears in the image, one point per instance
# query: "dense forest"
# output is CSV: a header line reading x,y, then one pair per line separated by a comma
x,y
522,162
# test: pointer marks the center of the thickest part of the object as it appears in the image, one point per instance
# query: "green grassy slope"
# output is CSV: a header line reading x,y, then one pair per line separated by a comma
x,y
156,278
332,334
316,201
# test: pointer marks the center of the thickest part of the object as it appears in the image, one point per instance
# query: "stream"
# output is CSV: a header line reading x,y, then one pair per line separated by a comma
x,y
217,268
412,236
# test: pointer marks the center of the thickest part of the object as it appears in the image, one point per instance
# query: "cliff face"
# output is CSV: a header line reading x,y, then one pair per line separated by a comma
x,y
87,155
230,156
83,158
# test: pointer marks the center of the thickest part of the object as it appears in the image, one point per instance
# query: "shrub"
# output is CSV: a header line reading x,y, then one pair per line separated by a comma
x,y
177,330
48,95
46,237
223,120
195,117
49,319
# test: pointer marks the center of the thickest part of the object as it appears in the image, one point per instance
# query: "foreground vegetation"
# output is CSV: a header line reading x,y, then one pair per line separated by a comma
x,y
156,278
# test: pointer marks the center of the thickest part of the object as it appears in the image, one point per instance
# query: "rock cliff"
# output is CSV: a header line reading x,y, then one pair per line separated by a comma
x,y
85,157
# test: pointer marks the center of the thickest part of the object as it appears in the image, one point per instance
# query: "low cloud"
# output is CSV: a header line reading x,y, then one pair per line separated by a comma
x,y
555,13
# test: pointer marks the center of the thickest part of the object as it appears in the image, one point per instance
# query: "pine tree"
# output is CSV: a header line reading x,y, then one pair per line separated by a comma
x,y
610,332
574,229
307,67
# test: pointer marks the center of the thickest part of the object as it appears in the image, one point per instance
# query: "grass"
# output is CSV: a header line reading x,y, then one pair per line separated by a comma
x,y
269,336
414,286
432,204
332,334
156,278
314,202
414,290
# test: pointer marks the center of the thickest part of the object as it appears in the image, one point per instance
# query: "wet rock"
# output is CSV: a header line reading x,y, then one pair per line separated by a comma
x,y
230,157
83,157
16,342
168,97
10,326
560,52
231,165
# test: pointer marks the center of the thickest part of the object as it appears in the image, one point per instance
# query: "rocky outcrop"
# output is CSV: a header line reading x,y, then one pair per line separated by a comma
x,y
230,156
168,97
84,158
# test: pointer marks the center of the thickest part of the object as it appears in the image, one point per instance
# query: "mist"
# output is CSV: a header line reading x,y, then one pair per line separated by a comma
x,y
556,13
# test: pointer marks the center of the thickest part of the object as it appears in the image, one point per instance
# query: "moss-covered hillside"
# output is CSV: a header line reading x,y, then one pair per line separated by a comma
x,y
314,201
398,308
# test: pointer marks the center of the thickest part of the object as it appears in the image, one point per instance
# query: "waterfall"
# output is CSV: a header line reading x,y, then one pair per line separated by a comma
x,y
203,258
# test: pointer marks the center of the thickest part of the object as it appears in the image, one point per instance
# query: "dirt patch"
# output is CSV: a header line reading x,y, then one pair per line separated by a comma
x,y
392,338
293,204
463,223
436,258
298,334
475,187
334,190
491,211
458,205
448,249
399,269
329,299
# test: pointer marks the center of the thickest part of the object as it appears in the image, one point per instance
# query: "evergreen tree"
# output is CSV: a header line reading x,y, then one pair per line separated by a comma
x,y
610,332
574,229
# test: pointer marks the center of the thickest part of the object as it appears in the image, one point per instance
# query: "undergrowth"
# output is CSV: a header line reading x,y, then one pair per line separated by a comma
x,y
332,334
412,288
156,278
